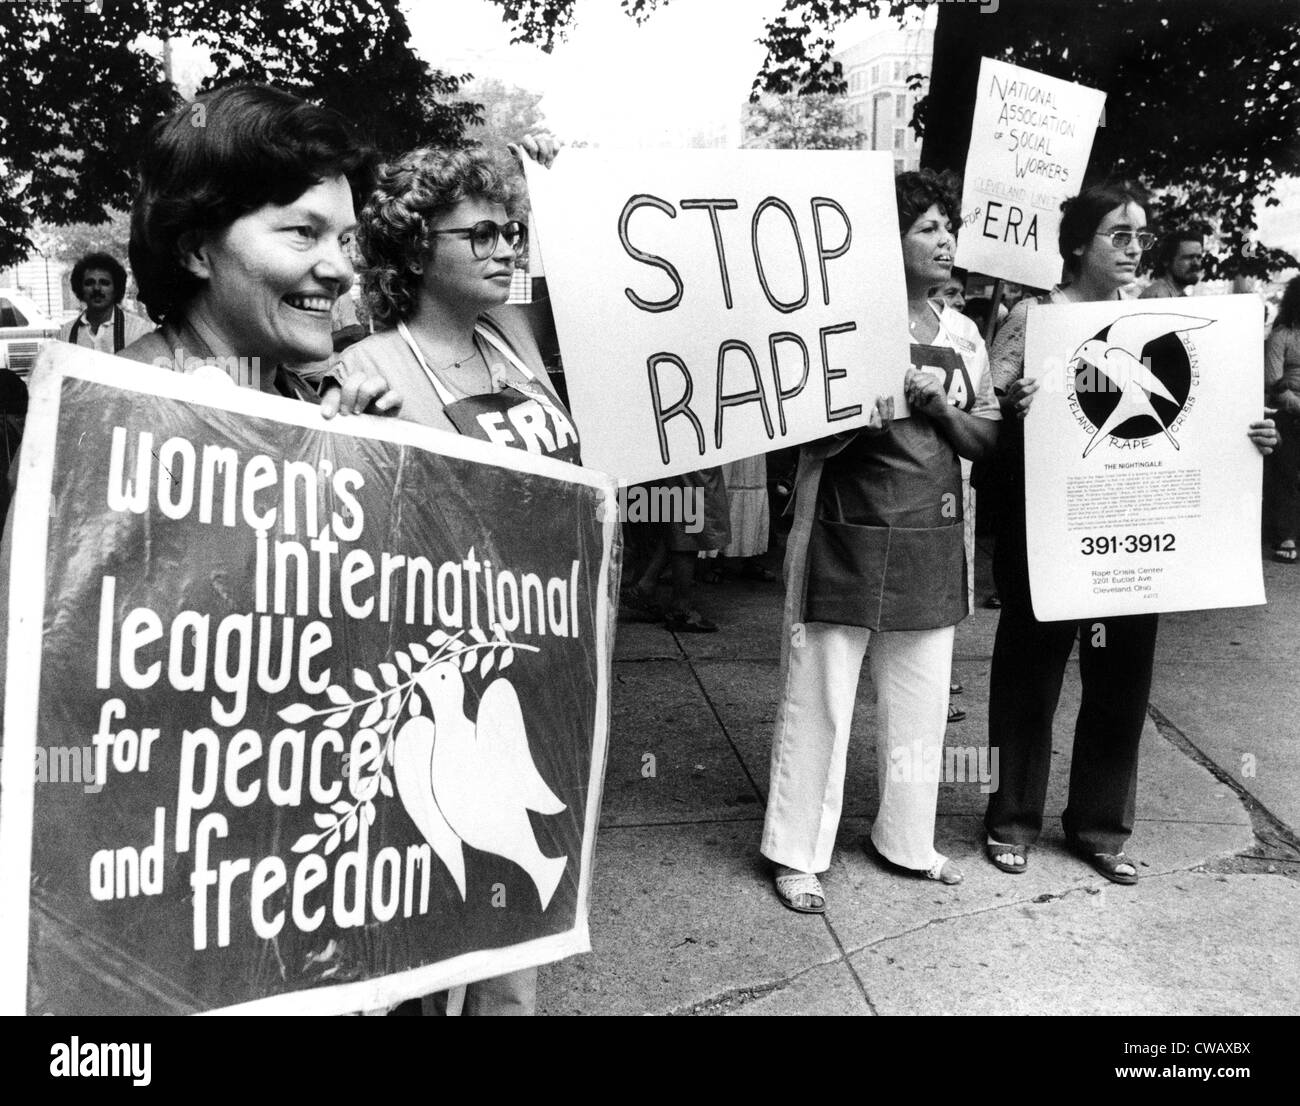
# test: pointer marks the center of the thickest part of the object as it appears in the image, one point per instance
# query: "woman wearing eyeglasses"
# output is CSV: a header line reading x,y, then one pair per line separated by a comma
x,y
1102,237
439,239
439,242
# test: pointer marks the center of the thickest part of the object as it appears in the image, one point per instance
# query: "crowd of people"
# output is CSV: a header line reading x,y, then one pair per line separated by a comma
x,y
242,243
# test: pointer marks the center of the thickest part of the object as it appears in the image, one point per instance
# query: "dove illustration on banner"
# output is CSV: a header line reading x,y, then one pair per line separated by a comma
x,y
1119,357
475,781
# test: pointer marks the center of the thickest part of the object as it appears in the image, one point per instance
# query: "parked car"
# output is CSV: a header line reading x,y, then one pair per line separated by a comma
x,y
23,327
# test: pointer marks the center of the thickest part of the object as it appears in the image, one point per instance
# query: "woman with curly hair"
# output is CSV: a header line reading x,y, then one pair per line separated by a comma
x,y
877,554
439,237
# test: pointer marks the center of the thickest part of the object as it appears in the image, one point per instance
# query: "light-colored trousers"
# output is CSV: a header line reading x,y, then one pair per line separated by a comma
x,y
911,670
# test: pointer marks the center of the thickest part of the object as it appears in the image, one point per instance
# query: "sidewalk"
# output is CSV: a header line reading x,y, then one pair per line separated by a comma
x,y
685,921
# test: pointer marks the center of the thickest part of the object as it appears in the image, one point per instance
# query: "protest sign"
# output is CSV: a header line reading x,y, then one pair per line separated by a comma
x,y
1142,490
714,305
1029,146
340,700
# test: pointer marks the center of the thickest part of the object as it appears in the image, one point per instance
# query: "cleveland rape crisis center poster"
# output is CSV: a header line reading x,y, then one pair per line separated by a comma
x,y
346,686
1142,490
714,305
1030,140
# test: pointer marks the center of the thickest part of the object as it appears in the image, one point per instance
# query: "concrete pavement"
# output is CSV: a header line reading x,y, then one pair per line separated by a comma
x,y
684,918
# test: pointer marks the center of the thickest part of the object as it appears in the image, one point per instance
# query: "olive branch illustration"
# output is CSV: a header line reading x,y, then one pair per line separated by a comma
x,y
381,707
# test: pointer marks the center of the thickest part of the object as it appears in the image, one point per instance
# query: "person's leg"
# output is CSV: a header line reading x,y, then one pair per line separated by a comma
x,y
910,669
810,746
1029,659
1282,485
511,995
1115,662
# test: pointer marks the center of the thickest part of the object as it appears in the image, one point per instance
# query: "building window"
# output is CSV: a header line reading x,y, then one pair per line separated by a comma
x,y
875,75
899,136
898,71
900,105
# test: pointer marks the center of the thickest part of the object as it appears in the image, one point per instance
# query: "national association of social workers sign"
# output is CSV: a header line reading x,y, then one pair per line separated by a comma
x,y
341,689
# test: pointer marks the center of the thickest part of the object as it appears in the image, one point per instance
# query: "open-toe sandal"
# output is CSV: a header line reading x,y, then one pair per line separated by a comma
x,y
1286,553
944,870
1109,864
994,850
800,891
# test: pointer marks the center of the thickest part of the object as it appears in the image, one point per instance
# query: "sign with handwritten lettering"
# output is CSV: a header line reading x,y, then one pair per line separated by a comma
x,y
1142,489
713,305
1029,147
343,739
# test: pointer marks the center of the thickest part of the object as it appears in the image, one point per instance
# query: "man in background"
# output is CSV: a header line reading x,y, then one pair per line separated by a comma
x,y
1181,254
99,281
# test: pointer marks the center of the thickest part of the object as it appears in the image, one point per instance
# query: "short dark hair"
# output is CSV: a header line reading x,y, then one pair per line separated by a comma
x,y
109,264
394,228
1081,215
215,160
1288,311
918,191
1170,242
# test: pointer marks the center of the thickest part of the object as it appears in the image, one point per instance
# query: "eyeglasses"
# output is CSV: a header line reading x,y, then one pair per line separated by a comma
x,y
484,236
1120,239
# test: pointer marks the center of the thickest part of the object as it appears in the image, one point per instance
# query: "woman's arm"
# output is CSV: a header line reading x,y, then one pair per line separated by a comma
x,y
971,436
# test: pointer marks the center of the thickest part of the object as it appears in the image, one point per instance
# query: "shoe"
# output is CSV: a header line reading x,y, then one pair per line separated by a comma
x,y
944,871
955,688
1286,553
1108,865
689,622
800,891
993,603
955,714
752,570
995,849
641,603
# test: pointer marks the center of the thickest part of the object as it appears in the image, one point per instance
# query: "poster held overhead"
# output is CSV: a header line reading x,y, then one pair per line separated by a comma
x,y
1030,140
1142,490
714,305
233,630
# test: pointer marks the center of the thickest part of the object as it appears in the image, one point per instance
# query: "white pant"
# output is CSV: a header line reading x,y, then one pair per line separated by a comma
x,y
911,670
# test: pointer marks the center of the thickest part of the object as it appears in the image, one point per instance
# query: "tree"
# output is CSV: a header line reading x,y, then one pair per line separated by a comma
x,y
1202,100
507,112
78,94
819,121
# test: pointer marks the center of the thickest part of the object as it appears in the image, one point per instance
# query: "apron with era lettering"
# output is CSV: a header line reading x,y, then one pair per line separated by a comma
x,y
508,417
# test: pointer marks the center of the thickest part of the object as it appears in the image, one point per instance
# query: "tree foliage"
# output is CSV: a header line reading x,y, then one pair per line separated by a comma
x,y
506,112
818,121
78,90
1202,100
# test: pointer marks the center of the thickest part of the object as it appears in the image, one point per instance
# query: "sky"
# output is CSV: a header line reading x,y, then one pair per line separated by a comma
x,y
688,68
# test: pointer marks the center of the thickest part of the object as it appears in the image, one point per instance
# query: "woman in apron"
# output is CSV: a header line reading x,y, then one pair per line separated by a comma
x,y
877,554
440,242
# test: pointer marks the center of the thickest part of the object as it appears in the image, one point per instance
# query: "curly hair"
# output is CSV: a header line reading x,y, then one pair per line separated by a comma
x,y
105,262
918,191
393,235
215,160
1170,242
1081,215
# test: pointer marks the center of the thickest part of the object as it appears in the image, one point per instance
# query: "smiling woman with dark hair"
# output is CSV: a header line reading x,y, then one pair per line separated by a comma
x,y
240,239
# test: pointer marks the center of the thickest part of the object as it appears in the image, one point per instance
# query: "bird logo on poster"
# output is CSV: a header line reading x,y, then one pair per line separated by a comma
x,y
473,782
1133,378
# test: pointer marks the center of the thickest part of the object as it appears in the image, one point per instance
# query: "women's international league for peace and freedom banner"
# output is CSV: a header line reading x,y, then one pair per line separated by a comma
x,y
341,690
712,305
1142,490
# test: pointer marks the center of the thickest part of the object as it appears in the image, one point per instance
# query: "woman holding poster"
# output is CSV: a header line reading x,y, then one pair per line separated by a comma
x,y
877,554
240,240
440,238
1102,237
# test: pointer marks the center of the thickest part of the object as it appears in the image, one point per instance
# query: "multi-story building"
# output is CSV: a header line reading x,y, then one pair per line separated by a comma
x,y
877,70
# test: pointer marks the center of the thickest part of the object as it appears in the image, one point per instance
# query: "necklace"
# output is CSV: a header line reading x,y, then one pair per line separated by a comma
x,y
457,364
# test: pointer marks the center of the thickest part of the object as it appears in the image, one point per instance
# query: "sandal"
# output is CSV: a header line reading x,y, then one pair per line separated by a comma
x,y
995,849
955,688
1108,865
800,891
689,622
955,714
1286,552
944,870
